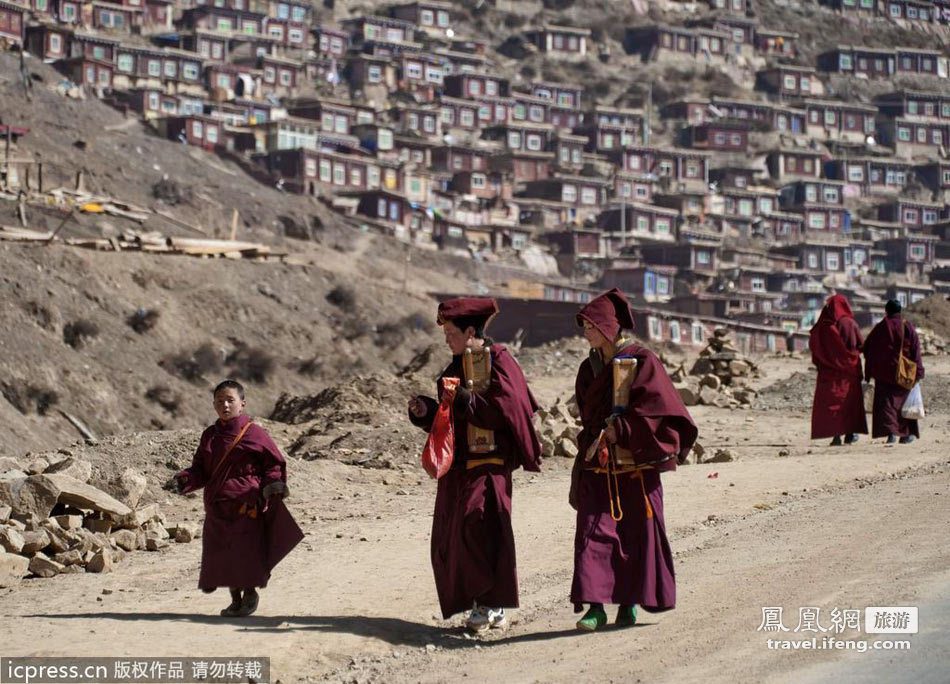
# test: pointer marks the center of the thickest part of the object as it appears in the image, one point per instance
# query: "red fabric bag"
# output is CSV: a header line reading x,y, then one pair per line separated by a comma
x,y
439,450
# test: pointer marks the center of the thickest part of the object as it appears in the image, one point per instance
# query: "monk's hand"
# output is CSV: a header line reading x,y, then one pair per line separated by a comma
x,y
276,489
610,434
417,407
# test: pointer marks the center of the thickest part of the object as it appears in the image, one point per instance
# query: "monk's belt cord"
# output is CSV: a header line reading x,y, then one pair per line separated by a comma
x,y
475,462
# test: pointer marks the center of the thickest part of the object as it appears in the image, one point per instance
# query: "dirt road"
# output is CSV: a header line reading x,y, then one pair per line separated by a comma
x,y
826,527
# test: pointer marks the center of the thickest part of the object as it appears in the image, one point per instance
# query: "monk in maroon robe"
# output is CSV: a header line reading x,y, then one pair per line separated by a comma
x,y
626,561
247,528
835,344
881,352
473,546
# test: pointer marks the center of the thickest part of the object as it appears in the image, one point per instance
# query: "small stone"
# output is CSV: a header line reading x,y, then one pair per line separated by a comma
x,y
185,533
711,381
5,512
130,487
97,525
784,452
70,557
153,543
430,648
566,448
722,456
75,468
68,522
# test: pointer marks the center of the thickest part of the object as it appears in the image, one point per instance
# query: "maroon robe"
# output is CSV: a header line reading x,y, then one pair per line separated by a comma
x,y
473,546
835,343
627,562
239,551
881,354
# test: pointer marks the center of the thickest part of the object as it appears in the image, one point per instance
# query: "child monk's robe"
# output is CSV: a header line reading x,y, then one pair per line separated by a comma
x,y
245,533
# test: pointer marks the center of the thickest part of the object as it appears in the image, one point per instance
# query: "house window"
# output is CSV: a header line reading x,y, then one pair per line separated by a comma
x,y
655,328
356,177
478,181
929,216
442,18
845,62
339,174
918,252
633,162
514,140
171,69
217,50
69,12
534,142
212,136
299,14
276,31
98,52
937,137
745,207
675,332
588,196
536,113
153,101
789,82
125,62
491,88
576,155
565,156
197,130
903,133
381,207
285,77
805,86
270,74
518,112
643,224
190,71
374,73
812,260
758,284
662,226
474,87
372,177
484,113
698,333
832,261
834,220
414,70
310,167
830,195
666,168
568,193
816,221
154,67
719,138
341,124
428,124
910,216
922,135
426,17
467,118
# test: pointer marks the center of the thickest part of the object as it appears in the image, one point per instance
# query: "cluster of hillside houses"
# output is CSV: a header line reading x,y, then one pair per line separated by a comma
x,y
748,209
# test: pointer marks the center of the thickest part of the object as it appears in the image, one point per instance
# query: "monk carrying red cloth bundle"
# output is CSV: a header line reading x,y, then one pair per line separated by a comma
x,y
473,546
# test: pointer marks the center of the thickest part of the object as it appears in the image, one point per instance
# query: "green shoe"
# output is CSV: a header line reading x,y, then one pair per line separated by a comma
x,y
626,616
593,618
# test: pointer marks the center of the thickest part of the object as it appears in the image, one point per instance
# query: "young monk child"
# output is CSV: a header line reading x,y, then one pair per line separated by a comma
x,y
247,528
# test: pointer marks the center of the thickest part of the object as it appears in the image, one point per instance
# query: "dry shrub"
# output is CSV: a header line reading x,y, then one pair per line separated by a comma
x,y
28,398
343,297
41,314
165,397
251,363
78,332
204,361
143,320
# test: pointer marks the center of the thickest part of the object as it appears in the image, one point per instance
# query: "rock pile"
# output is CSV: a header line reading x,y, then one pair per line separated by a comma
x,y
719,377
52,521
558,428
931,344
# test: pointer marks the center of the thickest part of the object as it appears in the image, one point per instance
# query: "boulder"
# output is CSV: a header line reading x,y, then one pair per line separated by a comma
x,y
37,466
707,395
154,543
68,522
37,496
58,540
81,495
572,407
35,541
688,394
98,525
156,529
5,512
566,448
702,366
73,467
125,539
711,381
186,532
141,516
101,561
739,367
129,487
13,568
11,540
10,484
7,464
67,558
42,566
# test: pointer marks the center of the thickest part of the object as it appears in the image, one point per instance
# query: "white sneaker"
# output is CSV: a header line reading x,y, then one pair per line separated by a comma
x,y
482,619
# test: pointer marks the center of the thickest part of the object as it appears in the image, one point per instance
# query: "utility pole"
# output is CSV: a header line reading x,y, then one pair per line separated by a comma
x,y
623,192
646,128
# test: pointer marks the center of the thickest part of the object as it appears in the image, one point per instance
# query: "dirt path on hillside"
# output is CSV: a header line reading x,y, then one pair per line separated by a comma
x,y
826,527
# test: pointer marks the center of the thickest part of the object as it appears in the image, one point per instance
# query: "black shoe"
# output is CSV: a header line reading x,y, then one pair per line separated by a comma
x,y
233,610
908,439
836,441
851,438
892,439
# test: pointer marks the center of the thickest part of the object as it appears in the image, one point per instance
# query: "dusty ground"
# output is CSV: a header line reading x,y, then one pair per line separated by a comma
x,y
827,527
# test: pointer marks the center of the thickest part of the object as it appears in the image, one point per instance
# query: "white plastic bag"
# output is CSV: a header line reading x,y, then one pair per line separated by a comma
x,y
913,408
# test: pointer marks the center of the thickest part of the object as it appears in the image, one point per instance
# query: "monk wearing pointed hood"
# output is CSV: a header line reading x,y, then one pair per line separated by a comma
x,y
473,546
621,553
835,343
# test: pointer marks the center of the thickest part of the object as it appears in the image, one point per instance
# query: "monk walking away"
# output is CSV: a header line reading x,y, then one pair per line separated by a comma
x,y
892,360
247,528
635,426
473,546
835,342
